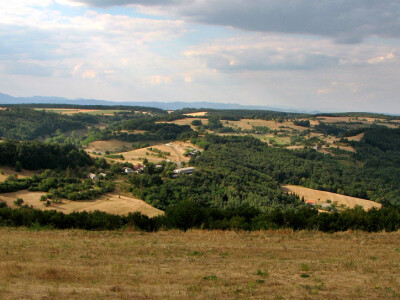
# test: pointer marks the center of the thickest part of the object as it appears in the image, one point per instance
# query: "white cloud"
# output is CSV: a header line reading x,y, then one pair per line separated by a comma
x,y
89,74
159,79
382,59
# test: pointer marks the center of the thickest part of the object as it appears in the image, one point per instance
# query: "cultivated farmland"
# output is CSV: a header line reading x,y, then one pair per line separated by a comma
x,y
321,197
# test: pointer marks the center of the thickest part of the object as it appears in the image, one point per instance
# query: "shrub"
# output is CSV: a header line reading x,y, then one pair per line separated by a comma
x,y
19,201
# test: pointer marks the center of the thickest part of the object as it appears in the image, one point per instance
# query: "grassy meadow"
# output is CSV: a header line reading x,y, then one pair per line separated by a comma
x,y
76,264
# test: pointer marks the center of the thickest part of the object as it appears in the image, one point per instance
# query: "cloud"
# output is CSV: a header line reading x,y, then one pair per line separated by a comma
x,y
89,74
159,79
261,52
344,21
381,59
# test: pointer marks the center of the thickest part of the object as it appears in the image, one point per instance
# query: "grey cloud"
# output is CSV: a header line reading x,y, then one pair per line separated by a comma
x,y
27,68
343,20
269,62
108,3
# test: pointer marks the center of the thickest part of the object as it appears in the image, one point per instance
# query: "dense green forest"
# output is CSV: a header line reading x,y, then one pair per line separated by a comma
x,y
27,124
34,155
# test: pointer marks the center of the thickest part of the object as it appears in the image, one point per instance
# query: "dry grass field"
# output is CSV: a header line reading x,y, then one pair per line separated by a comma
x,y
188,121
110,145
77,264
321,197
7,171
71,111
197,114
273,125
175,149
110,203
356,138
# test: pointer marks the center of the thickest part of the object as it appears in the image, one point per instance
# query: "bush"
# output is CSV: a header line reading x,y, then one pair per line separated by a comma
x,y
197,123
19,201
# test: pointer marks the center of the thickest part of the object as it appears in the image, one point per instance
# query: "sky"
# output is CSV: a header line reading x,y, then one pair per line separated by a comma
x,y
326,55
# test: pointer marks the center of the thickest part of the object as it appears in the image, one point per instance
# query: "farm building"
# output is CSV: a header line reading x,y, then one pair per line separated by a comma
x,y
310,202
325,205
138,168
128,170
93,176
188,170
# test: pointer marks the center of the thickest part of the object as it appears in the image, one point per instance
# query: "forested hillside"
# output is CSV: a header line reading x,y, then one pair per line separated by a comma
x,y
27,124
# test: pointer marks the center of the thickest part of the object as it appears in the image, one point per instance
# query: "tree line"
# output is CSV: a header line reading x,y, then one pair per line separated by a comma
x,y
188,214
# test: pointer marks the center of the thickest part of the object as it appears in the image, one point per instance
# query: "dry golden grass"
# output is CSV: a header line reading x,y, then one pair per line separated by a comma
x,y
197,114
110,145
110,203
7,171
175,149
321,197
282,264
356,138
363,120
273,125
188,121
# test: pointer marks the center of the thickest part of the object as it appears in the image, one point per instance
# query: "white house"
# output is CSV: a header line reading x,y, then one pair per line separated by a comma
x,y
188,170
128,170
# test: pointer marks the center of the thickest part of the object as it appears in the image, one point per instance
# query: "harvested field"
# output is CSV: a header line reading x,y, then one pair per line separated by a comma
x,y
273,125
77,264
111,145
321,197
110,203
175,149
188,121
7,171
71,111
197,114
356,138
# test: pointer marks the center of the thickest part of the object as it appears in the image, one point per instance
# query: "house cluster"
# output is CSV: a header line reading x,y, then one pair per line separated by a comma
x,y
95,176
194,152
313,203
136,169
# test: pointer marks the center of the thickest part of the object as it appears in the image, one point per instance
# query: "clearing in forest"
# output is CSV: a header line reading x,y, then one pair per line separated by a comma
x,y
356,138
7,171
109,145
71,111
188,121
110,203
321,197
197,114
173,152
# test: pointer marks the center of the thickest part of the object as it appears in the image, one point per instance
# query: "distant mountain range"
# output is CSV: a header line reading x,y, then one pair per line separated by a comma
x,y
7,99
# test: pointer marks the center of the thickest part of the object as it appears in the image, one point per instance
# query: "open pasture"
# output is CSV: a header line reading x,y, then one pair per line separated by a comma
x,y
173,151
197,114
109,145
110,203
188,121
71,111
322,197
7,171
77,264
